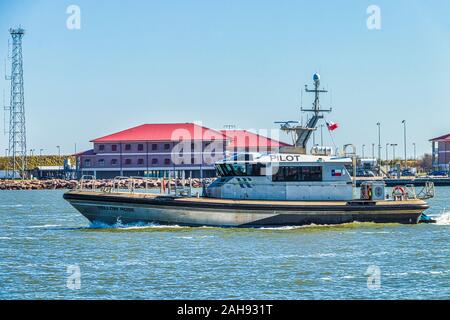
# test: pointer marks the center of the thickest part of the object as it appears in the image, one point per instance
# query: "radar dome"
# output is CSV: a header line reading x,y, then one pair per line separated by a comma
x,y
316,77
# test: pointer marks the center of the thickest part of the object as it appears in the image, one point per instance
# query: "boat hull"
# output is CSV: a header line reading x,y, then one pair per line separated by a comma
x,y
111,208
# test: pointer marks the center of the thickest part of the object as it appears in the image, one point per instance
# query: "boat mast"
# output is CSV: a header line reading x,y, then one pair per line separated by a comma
x,y
300,133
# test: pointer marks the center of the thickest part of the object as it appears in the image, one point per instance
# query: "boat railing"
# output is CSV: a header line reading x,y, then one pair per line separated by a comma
x,y
180,187
427,191
84,185
408,192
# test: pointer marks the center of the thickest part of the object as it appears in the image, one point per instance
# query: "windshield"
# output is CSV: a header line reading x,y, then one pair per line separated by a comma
x,y
240,169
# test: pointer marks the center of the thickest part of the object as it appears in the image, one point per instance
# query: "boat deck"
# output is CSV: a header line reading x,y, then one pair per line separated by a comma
x,y
214,201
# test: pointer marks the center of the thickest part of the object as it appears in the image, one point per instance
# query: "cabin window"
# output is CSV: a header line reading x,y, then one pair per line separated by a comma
x,y
240,169
304,173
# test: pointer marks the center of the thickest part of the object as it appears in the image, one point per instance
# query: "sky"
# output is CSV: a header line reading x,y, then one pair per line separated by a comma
x,y
231,62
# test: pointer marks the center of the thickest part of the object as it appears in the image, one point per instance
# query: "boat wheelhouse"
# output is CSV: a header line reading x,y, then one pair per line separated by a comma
x,y
282,177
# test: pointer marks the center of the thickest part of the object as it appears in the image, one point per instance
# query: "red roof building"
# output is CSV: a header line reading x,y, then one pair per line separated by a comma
x,y
441,152
164,132
187,149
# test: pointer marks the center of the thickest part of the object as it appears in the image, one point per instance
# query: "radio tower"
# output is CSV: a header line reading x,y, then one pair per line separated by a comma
x,y
17,136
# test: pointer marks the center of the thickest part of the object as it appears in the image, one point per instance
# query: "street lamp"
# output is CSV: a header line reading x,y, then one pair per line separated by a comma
x,y
40,152
59,151
379,141
414,145
387,156
373,150
393,145
321,134
32,152
363,146
404,140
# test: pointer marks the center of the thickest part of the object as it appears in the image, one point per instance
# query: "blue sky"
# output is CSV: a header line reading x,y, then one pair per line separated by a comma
x,y
231,62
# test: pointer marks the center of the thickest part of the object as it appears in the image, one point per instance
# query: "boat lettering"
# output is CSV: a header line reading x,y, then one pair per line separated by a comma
x,y
284,158
109,208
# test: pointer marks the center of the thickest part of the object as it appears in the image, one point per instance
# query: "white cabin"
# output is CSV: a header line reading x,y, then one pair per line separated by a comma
x,y
256,176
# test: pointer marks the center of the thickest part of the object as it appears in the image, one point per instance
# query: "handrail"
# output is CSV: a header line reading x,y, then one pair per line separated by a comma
x,y
130,184
83,179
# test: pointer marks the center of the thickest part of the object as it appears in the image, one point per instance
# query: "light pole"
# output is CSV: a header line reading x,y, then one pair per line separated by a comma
x,y
414,145
321,134
363,146
59,151
393,145
373,150
379,141
32,152
387,156
40,152
404,140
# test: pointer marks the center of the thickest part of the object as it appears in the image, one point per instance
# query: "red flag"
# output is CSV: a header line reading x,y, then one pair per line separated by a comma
x,y
332,126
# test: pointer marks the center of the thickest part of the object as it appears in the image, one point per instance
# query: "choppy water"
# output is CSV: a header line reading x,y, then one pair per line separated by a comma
x,y
41,235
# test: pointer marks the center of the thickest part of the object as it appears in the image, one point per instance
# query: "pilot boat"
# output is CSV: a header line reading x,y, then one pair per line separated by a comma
x,y
254,189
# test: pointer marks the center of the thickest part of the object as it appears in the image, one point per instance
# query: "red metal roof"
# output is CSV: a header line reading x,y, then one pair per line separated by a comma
x,y
164,132
442,138
247,139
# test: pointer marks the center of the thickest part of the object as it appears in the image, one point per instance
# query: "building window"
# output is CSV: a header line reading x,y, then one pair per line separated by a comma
x,y
192,160
166,161
140,161
140,147
101,147
166,146
114,147
127,147
154,147
101,162
87,162
154,161
127,161
114,162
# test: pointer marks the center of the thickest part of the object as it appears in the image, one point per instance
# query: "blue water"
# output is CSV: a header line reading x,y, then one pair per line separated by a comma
x,y
41,235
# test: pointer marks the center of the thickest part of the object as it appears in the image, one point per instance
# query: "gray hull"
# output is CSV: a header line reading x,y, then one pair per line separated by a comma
x,y
110,209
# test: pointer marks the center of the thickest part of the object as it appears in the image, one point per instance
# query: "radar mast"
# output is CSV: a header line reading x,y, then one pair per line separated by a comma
x,y
300,133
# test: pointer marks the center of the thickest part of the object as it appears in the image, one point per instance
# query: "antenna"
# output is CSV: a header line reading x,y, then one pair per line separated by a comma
x,y
17,133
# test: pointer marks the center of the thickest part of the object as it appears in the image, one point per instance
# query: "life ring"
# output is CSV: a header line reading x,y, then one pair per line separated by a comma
x,y
399,192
